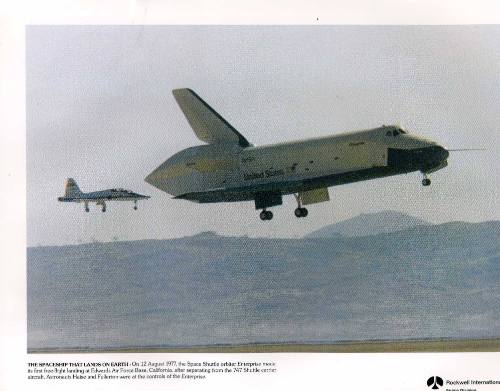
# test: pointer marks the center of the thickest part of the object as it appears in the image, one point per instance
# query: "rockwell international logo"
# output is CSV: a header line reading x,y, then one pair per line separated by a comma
x,y
437,382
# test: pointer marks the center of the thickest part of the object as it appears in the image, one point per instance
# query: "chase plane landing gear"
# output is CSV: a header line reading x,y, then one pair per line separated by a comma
x,y
426,181
103,204
266,215
300,211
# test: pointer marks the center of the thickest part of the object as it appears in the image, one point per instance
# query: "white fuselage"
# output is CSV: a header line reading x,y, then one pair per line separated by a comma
x,y
223,172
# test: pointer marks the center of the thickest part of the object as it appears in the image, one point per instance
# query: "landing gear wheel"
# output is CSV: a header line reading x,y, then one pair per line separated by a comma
x,y
266,215
135,207
301,212
426,182
103,209
87,210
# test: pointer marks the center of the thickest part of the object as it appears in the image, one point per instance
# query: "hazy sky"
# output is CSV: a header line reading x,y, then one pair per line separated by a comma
x,y
100,110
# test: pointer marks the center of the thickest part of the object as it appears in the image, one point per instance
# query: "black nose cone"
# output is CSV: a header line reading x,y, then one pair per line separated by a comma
x,y
443,153
434,156
422,159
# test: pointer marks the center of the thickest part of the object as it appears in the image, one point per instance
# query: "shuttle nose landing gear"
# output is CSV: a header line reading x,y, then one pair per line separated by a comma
x,y
266,215
426,181
300,211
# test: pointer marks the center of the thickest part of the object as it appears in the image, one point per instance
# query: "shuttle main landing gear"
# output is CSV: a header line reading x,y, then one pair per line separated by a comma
x,y
266,215
426,181
300,211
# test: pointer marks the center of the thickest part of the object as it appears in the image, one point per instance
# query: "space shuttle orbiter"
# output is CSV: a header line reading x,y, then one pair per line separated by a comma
x,y
229,168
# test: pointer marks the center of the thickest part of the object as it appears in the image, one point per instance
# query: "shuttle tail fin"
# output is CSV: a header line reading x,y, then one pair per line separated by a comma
x,y
206,123
71,189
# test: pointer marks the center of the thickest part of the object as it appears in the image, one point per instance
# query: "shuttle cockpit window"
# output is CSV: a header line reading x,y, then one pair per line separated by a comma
x,y
395,132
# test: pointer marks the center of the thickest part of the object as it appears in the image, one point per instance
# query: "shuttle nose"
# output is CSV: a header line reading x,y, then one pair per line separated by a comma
x,y
436,155
424,158
444,153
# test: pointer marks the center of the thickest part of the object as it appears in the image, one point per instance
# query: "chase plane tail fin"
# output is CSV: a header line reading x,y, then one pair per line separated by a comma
x,y
71,189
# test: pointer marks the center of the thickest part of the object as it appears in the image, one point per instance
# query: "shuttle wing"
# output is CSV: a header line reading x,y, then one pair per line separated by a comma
x,y
207,124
